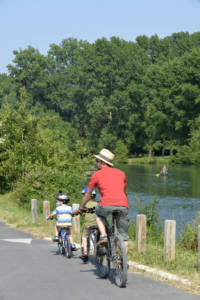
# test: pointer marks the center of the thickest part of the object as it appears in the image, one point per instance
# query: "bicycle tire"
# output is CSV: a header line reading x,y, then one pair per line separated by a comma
x,y
68,250
91,244
120,262
102,261
82,243
59,248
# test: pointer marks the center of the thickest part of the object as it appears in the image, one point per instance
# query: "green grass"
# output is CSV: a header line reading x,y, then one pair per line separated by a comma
x,y
21,218
185,264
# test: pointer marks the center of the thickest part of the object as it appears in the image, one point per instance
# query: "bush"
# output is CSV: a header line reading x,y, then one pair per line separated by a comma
x,y
121,152
188,238
150,210
44,183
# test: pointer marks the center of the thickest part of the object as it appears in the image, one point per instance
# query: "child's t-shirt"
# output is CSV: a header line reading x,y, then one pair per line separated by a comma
x,y
90,218
64,215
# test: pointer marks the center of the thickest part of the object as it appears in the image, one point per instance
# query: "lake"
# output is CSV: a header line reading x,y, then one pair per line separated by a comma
x,y
178,194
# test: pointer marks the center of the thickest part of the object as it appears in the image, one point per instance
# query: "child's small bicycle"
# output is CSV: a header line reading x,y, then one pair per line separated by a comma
x,y
91,239
64,244
91,243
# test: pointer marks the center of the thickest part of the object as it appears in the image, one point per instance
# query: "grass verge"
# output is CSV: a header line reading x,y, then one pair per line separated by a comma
x,y
185,264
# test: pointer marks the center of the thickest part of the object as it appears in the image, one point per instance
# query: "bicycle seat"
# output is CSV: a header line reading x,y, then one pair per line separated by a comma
x,y
94,227
115,213
64,228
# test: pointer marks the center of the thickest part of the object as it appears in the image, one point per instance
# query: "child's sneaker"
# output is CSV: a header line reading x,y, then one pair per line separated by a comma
x,y
84,257
55,239
73,247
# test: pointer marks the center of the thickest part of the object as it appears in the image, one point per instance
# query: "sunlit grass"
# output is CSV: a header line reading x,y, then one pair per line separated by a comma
x,y
185,264
21,218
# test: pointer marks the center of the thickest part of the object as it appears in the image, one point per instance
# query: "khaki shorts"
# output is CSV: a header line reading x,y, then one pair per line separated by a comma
x,y
86,232
122,220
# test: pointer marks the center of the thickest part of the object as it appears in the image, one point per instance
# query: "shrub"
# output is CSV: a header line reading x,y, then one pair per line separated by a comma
x,y
188,238
121,152
150,209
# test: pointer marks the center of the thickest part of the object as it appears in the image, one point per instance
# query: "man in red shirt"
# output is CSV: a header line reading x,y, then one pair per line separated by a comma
x,y
111,184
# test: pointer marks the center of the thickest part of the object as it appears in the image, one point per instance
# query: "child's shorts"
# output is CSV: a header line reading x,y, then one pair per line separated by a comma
x,y
86,232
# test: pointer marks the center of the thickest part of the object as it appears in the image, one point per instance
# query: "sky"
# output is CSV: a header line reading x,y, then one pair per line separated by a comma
x,y
39,23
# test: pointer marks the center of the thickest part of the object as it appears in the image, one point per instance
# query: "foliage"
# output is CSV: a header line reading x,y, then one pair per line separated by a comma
x,y
43,183
40,154
188,238
150,210
144,95
121,152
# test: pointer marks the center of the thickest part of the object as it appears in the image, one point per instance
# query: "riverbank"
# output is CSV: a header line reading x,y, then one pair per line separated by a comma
x,y
185,265
157,160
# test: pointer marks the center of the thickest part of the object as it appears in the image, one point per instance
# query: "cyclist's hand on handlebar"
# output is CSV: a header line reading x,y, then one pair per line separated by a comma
x,y
49,217
83,210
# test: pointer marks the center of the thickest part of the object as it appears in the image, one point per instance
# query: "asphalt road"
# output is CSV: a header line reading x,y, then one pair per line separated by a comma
x,y
30,269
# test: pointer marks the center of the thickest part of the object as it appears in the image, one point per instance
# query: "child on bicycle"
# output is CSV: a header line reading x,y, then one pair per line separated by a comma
x,y
89,221
63,214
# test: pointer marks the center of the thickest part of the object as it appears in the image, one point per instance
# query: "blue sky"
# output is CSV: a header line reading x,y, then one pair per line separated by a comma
x,y
40,23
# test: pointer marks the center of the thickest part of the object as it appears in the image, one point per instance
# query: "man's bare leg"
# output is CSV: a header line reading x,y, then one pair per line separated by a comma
x,y
126,246
101,226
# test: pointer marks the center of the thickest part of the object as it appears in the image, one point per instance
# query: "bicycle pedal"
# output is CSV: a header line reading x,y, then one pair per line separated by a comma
x,y
101,251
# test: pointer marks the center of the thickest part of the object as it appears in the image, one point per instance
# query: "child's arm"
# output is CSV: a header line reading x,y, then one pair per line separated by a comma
x,y
53,214
74,212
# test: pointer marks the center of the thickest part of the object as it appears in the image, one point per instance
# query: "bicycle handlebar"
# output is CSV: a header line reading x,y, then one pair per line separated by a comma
x,y
87,211
49,218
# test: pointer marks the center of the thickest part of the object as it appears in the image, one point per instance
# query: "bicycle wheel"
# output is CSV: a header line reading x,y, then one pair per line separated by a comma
x,y
68,250
102,261
59,248
120,262
82,244
91,244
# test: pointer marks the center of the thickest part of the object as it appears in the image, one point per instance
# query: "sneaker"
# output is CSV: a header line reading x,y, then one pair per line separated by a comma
x,y
55,239
84,257
73,247
102,241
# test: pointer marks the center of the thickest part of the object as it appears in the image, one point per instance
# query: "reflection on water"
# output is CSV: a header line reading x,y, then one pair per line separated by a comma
x,y
178,193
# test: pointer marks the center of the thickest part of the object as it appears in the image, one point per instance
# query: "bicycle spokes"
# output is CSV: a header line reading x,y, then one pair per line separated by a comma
x,y
102,261
120,263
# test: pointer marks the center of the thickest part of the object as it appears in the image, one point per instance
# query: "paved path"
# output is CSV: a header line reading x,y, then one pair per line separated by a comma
x,y
30,269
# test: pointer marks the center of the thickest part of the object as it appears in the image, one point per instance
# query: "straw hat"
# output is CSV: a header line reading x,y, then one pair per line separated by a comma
x,y
106,156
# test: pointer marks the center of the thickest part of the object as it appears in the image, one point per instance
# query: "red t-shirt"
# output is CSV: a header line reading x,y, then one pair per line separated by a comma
x,y
110,183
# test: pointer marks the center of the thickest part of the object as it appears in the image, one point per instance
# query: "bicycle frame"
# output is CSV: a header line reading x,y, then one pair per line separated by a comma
x,y
111,233
63,235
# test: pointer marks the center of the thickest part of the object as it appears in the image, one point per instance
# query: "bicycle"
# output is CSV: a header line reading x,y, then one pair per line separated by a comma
x,y
91,239
91,242
112,252
64,244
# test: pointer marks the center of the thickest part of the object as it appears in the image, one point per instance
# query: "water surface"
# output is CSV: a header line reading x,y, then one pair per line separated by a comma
x,y
178,194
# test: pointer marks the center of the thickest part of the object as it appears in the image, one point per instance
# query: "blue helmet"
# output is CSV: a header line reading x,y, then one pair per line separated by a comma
x,y
62,197
93,195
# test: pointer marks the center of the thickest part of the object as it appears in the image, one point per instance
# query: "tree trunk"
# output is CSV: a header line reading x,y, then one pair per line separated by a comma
x,y
163,151
150,153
